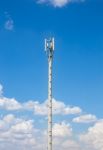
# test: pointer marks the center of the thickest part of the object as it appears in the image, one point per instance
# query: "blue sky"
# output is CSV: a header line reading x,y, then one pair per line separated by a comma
x,y
78,59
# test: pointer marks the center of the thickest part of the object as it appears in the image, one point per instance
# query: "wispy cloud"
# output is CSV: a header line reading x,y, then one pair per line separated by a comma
x,y
9,23
58,3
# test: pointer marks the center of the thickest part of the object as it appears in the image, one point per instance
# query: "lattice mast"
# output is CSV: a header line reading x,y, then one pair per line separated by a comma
x,y
49,48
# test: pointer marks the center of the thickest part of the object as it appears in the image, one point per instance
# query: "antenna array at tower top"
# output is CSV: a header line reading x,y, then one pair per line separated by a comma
x,y
49,44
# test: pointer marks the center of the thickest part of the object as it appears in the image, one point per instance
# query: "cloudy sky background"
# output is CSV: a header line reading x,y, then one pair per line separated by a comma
x,y
77,26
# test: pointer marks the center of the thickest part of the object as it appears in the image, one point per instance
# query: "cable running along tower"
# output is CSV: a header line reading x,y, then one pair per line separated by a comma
x,y
49,48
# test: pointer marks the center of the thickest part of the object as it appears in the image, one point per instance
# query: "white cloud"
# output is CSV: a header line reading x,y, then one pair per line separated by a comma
x,y
59,3
19,133
9,104
85,118
1,90
9,24
22,127
9,118
16,131
63,137
71,145
62,130
93,139
58,108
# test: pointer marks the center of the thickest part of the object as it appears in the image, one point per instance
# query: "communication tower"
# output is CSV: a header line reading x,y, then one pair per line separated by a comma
x,y
49,48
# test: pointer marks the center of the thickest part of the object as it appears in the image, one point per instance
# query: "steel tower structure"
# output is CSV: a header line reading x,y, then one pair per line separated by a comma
x,y
49,48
